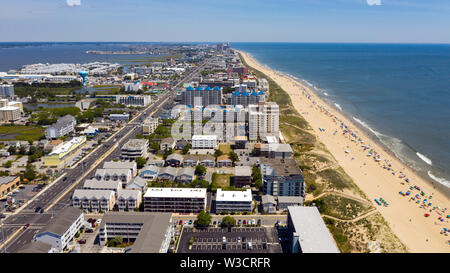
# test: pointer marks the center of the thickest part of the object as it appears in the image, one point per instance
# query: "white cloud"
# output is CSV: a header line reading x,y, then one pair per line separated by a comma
x,y
373,2
73,3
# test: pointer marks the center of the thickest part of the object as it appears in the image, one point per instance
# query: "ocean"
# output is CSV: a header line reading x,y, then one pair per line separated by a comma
x,y
400,93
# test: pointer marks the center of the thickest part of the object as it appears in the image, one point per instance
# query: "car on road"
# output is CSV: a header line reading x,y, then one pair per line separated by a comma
x,y
180,223
239,222
26,225
190,222
41,210
2,216
98,222
37,209
259,222
245,222
214,223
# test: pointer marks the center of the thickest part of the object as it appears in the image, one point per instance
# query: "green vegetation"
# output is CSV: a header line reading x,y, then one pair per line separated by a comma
x,y
140,162
200,170
257,177
115,242
225,148
221,180
203,219
228,220
21,132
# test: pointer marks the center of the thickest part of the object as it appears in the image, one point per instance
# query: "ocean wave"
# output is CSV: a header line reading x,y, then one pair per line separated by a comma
x,y
308,83
441,180
338,106
424,158
365,125
325,93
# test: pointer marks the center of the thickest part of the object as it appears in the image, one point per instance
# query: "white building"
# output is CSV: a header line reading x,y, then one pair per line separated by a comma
x,y
135,148
61,229
95,200
204,141
237,201
131,165
180,200
149,125
134,100
307,232
264,119
129,199
9,113
62,127
6,90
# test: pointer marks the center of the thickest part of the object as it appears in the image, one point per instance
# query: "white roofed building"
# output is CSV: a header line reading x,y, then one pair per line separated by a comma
x,y
237,201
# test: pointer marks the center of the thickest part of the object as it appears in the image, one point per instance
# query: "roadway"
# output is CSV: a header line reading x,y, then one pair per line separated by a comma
x,y
58,195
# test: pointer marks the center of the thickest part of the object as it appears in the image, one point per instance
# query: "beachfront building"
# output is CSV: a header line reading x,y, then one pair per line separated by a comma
x,y
149,232
61,229
176,200
307,233
204,141
263,120
237,201
62,127
135,148
282,177
134,100
61,151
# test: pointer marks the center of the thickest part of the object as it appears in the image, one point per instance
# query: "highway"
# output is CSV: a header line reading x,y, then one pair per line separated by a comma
x,y
58,195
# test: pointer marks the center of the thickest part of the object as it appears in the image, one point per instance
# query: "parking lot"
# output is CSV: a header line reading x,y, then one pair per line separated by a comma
x,y
238,240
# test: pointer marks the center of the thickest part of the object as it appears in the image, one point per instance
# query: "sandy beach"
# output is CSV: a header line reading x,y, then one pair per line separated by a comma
x,y
376,172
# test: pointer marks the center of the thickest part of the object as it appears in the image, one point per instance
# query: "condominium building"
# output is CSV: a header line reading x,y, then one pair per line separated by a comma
x,y
134,100
237,201
180,200
149,125
122,175
9,113
61,229
94,184
263,120
6,90
129,199
62,127
204,141
202,96
282,177
307,233
149,232
122,165
135,148
95,200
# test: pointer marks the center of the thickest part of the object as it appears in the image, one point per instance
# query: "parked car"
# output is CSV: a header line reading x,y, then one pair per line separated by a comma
x,y
37,209
88,230
190,222
41,211
82,241
2,216
180,223
245,222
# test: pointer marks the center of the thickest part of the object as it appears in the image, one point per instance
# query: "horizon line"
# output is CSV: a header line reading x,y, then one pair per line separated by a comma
x,y
266,42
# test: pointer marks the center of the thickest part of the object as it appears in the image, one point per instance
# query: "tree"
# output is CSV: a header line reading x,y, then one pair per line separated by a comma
x,y
154,146
228,220
186,149
200,170
218,153
22,150
140,162
167,153
30,172
203,219
234,157
12,150
257,177
32,150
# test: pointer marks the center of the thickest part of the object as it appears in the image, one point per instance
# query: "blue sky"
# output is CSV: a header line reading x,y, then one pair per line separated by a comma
x,y
407,21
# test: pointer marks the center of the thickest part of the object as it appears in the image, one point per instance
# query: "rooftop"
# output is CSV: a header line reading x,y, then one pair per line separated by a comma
x,y
63,220
311,230
176,192
235,196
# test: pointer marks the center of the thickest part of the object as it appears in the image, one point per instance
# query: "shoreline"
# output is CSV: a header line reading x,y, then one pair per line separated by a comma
x,y
370,135
423,235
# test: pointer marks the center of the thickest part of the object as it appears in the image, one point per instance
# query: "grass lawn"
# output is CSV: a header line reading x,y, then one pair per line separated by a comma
x,y
225,148
222,180
20,132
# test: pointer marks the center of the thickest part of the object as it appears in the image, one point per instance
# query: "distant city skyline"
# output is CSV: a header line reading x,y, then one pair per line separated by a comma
x,y
363,21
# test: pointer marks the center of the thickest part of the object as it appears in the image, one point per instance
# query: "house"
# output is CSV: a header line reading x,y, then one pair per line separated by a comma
x,y
167,173
129,199
268,203
122,165
95,200
156,162
138,183
190,161
224,161
149,172
61,229
167,143
242,176
185,175
181,144
174,160
207,160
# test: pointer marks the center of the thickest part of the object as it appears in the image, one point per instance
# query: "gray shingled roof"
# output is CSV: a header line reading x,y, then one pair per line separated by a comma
x,y
62,221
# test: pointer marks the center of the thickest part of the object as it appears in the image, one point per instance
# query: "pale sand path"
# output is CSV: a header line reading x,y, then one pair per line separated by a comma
x,y
405,218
